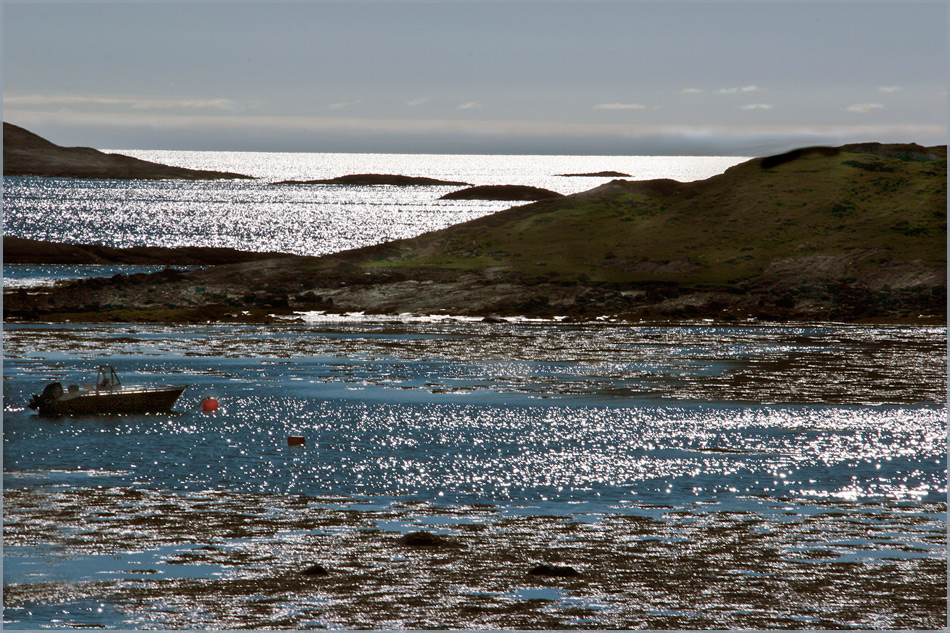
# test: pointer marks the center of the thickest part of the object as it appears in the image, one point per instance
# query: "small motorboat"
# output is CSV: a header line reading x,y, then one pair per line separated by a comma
x,y
107,395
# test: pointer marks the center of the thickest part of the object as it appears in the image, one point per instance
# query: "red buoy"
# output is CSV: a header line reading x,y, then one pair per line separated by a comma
x,y
209,404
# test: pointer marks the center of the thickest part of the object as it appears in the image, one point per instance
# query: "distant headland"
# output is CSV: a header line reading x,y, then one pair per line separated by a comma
x,y
26,154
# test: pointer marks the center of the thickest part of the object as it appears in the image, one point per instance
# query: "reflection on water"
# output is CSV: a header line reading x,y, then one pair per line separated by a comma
x,y
772,466
257,215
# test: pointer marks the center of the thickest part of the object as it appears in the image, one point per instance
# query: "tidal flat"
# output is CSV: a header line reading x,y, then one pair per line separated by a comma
x,y
236,561
692,475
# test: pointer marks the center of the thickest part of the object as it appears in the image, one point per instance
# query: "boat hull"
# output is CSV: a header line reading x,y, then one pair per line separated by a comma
x,y
117,401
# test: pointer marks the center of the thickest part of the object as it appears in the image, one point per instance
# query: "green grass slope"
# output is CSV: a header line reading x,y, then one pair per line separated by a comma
x,y
862,206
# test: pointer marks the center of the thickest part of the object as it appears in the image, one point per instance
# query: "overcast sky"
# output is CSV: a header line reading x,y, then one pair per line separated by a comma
x,y
614,78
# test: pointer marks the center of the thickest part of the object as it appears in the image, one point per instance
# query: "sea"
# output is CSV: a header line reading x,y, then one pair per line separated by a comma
x,y
691,475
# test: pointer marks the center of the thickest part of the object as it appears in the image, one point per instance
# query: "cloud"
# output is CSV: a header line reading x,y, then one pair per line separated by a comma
x,y
342,104
757,106
890,88
732,91
864,108
620,106
416,102
691,91
471,105
225,105
436,127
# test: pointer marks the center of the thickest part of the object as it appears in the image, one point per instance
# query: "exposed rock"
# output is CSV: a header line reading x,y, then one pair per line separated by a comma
x,y
424,539
502,192
26,154
316,570
554,571
376,179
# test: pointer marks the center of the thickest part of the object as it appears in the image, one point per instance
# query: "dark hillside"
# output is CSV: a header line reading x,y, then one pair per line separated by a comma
x,y
871,205
26,154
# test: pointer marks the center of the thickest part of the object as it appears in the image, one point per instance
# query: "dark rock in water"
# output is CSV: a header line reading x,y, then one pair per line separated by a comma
x,y
375,179
502,192
599,174
315,570
556,571
424,539
494,319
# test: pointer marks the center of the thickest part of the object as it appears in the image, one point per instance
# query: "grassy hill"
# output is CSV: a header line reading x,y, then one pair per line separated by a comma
x,y
870,204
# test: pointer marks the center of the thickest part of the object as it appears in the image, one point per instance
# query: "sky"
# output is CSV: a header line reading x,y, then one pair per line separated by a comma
x,y
614,78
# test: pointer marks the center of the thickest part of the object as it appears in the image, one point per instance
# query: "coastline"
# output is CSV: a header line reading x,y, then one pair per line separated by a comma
x,y
276,290
18,250
847,234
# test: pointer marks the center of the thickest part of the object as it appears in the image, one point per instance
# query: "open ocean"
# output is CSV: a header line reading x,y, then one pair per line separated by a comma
x,y
750,475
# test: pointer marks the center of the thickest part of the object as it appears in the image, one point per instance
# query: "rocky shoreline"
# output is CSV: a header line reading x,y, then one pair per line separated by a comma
x,y
18,250
272,290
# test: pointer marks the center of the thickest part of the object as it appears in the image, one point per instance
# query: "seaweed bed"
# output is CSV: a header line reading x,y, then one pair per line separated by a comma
x,y
305,562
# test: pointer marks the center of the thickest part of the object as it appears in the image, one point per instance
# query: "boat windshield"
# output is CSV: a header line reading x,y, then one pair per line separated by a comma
x,y
107,378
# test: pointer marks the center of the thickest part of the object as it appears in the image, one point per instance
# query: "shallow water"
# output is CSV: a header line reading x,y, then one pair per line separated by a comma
x,y
637,454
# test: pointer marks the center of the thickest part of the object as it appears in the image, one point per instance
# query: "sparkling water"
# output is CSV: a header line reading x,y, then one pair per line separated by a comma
x,y
697,476
259,215
816,446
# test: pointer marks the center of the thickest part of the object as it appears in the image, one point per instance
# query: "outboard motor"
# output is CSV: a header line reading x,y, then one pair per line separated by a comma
x,y
44,402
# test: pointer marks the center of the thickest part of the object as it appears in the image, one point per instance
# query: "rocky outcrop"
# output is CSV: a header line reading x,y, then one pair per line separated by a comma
x,y
502,192
554,571
26,154
426,540
315,570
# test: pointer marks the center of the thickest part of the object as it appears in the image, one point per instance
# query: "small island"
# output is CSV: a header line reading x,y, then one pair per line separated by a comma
x,y
26,154
599,174
377,179
502,192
